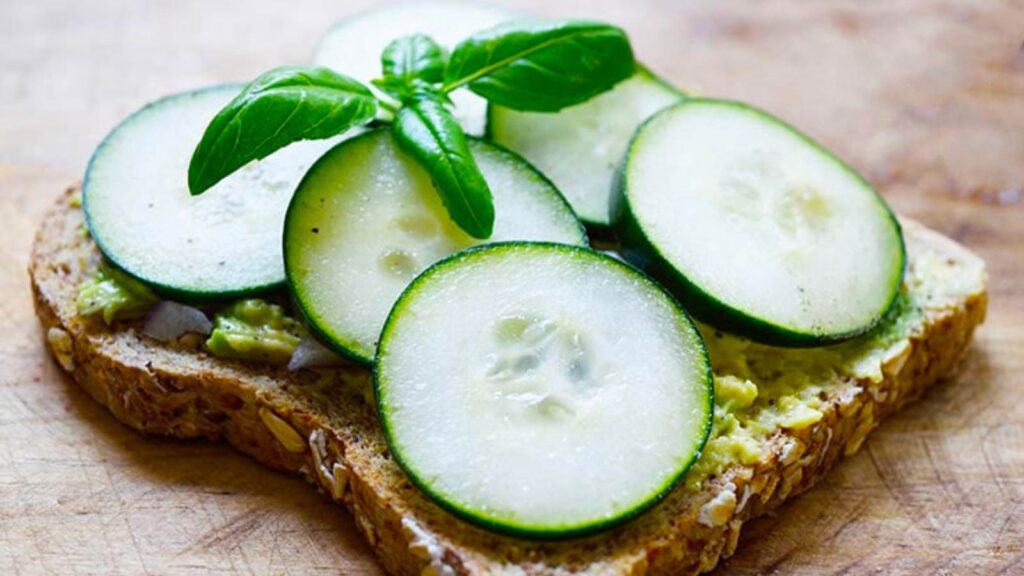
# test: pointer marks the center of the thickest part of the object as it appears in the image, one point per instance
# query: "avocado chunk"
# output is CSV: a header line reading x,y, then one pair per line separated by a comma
x,y
254,330
113,294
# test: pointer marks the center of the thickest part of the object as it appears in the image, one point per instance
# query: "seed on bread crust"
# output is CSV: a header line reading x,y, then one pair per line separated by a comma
x,y
867,424
791,451
283,431
335,477
733,538
719,509
62,347
896,357
424,546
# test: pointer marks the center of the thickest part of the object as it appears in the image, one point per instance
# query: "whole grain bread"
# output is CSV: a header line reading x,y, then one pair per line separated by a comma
x,y
323,426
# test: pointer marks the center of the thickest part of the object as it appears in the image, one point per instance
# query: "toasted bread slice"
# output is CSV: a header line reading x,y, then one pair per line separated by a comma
x,y
323,424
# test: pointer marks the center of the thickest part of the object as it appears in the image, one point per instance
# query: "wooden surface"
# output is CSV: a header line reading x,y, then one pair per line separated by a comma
x,y
926,98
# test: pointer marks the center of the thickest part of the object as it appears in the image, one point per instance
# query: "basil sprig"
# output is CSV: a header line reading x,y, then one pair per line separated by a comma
x,y
526,65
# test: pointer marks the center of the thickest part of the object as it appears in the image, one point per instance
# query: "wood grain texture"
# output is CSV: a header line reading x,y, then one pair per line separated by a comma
x,y
926,98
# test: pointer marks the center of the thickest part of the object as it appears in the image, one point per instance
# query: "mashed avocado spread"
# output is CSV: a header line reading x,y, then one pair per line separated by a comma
x,y
113,294
761,389
254,330
246,330
758,389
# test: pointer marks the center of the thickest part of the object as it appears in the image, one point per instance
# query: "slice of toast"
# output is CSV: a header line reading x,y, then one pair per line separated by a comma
x,y
323,424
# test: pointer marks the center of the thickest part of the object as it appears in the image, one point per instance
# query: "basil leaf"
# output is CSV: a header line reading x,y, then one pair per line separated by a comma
x,y
411,57
426,130
279,107
541,65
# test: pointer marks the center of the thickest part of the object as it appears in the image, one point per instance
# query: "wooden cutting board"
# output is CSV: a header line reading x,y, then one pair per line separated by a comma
x,y
926,98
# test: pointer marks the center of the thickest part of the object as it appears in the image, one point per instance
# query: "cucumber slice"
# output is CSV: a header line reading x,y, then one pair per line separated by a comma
x,y
542,390
366,220
353,46
225,243
580,148
755,227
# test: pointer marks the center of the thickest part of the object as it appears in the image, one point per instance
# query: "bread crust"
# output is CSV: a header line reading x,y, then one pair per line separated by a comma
x,y
323,426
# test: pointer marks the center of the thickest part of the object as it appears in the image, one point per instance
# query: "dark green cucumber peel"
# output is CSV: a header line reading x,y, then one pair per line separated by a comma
x,y
606,232
506,527
706,307
316,325
167,291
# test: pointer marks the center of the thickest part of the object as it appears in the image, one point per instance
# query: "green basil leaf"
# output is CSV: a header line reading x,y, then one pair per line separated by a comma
x,y
411,57
281,106
426,130
395,87
541,65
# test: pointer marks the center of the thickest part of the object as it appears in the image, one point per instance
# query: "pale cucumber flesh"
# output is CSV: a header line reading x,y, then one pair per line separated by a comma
x,y
577,395
581,148
756,226
366,220
225,242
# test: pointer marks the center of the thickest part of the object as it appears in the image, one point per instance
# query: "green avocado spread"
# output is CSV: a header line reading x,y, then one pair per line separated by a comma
x,y
254,330
246,330
761,389
113,294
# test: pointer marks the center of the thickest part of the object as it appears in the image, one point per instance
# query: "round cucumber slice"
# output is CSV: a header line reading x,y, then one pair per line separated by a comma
x,y
354,45
756,228
224,243
580,148
366,220
542,390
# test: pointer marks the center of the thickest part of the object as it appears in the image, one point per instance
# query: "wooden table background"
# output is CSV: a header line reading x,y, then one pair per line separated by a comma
x,y
926,98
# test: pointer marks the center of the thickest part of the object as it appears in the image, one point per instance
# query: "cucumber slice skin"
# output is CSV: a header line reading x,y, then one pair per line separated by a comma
x,y
350,348
705,306
510,528
599,228
177,293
